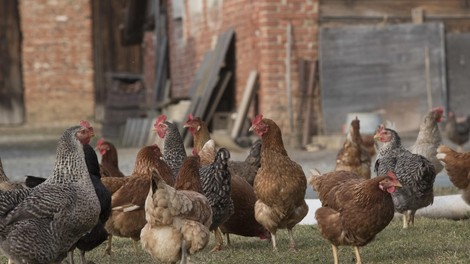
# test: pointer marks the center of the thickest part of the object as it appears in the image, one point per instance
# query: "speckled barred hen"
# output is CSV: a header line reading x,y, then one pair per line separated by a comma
x,y
415,173
41,224
217,187
174,152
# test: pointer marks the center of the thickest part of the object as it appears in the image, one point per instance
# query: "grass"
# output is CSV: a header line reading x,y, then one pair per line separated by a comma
x,y
429,241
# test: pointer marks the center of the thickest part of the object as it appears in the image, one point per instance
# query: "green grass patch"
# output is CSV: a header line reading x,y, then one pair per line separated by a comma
x,y
429,241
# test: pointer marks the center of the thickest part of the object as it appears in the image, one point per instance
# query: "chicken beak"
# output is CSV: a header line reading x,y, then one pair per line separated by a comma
x,y
376,137
252,128
397,184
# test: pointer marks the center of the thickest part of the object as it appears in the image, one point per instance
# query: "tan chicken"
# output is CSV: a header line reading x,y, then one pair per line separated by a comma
x,y
128,215
354,210
280,183
457,165
353,156
178,220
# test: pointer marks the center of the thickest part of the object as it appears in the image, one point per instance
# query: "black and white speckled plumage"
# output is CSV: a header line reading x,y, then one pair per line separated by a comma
x,y
41,224
216,185
174,152
415,173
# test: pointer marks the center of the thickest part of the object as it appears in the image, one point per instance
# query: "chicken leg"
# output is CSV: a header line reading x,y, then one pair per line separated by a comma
x,y
184,257
136,248
358,256
335,254
273,239
408,218
291,240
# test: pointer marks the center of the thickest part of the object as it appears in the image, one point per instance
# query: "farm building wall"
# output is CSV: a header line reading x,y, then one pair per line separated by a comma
x,y
57,61
260,44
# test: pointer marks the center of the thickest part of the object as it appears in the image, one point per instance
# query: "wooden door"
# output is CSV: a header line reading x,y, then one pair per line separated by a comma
x,y
397,70
458,64
11,83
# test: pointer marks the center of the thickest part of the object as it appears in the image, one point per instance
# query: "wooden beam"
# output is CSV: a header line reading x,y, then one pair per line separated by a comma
x,y
392,9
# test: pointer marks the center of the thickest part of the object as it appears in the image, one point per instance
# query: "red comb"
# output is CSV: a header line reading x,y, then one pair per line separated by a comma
x,y
392,175
100,142
257,119
85,123
438,109
190,117
160,119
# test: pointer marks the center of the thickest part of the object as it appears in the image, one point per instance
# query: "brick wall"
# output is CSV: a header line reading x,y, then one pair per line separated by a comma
x,y
57,61
260,28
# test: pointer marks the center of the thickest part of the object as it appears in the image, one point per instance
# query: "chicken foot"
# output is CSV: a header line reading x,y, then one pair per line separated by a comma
x,y
219,240
358,256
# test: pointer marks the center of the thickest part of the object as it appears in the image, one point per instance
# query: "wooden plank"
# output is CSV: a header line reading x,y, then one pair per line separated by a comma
x,y
209,77
392,9
367,68
197,87
134,19
248,94
458,61
215,101
220,51
312,77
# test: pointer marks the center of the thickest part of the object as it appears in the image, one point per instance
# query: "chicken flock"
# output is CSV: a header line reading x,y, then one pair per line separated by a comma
x,y
173,200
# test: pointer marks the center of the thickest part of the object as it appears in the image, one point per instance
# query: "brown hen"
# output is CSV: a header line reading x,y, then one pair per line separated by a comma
x,y
109,166
353,156
354,210
457,165
128,216
280,183
242,222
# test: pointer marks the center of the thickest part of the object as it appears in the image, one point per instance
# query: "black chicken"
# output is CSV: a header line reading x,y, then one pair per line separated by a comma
x,y
98,234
